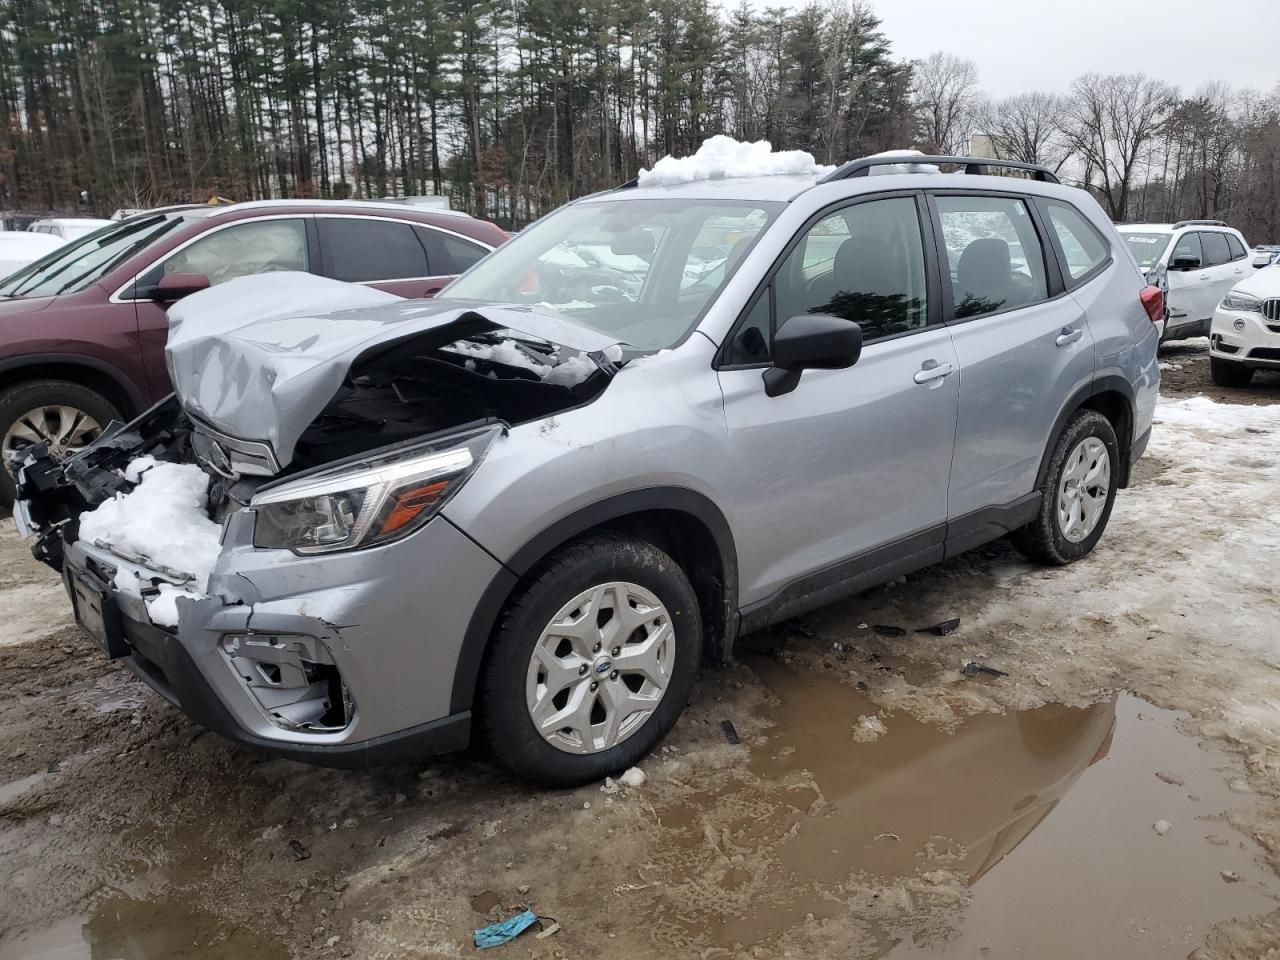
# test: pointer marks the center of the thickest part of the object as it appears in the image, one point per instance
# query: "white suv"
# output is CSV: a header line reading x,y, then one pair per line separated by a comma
x,y
1195,263
1246,329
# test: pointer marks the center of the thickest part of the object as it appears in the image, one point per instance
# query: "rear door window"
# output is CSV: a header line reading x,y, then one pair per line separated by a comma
x,y
994,254
1238,252
1216,250
359,250
1083,247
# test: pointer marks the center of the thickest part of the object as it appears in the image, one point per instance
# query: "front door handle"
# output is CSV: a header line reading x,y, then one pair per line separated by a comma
x,y
1069,336
932,370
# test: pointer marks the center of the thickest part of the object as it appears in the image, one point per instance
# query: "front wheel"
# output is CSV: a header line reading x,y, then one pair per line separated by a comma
x,y
1078,494
1229,373
592,662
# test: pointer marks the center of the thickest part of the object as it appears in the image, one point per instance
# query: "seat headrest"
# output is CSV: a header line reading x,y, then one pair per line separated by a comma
x,y
985,271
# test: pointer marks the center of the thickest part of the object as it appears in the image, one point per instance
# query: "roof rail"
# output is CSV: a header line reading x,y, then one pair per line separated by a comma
x,y
972,165
1199,223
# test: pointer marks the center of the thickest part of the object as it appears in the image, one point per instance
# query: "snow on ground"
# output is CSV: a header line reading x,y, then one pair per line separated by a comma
x,y
165,519
722,157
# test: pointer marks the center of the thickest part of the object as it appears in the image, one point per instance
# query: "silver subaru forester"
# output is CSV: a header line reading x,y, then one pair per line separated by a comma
x,y
658,419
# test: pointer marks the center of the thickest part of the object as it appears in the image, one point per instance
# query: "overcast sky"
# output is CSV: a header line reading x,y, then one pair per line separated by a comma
x,y
1022,45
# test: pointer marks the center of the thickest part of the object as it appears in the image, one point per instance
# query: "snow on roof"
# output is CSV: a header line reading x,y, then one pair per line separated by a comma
x,y
722,157
891,168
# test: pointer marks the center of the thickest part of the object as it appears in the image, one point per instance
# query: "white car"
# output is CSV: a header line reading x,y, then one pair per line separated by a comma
x,y
1195,263
19,248
68,228
1246,329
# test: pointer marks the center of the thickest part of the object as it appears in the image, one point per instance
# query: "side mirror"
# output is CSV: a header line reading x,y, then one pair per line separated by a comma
x,y
1185,263
811,341
175,286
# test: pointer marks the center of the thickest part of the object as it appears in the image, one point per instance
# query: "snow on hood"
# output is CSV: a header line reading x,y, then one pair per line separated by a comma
x,y
260,357
721,157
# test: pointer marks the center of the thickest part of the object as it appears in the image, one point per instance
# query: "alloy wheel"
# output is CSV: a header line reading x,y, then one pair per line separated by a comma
x,y
1083,488
600,667
66,430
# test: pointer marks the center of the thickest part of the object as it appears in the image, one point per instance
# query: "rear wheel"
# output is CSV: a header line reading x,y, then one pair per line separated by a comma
x,y
592,662
63,415
1229,373
1079,491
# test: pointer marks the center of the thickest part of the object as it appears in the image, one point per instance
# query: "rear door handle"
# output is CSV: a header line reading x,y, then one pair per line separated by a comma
x,y
1204,276
932,370
1069,336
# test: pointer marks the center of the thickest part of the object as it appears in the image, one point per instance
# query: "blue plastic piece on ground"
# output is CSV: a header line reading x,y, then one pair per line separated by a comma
x,y
496,934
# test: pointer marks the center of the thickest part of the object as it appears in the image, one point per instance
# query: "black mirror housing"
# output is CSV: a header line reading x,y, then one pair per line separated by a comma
x,y
811,341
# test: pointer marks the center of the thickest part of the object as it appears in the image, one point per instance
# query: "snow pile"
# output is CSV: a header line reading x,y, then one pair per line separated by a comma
x,y
869,728
890,168
568,372
163,519
1207,414
722,157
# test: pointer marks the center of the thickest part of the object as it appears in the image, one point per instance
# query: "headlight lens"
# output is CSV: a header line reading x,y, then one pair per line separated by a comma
x,y
1235,300
370,501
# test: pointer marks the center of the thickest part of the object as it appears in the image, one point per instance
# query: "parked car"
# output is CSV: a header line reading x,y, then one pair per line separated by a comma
x,y
1264,255
1246,330
1195,262
17,249
84,328
489,514
68,228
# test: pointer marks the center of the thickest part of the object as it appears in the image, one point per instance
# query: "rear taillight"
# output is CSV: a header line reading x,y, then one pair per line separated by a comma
x,y
1153,302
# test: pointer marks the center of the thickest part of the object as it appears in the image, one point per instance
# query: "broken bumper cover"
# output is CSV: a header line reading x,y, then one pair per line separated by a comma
x,y
233,664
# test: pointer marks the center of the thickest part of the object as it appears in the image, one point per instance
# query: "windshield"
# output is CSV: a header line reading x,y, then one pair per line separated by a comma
x,y
640,270
82,262
1146,247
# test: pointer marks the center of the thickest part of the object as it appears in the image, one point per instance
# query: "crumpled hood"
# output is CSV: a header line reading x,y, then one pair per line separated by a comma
x,y
259,357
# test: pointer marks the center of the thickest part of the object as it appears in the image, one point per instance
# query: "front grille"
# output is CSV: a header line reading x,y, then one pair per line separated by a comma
x,y
1271,309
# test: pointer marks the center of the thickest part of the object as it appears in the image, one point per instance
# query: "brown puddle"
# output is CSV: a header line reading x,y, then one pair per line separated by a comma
x,y
126,929
1030,831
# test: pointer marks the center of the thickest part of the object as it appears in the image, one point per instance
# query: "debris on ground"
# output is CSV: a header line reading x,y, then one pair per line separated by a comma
x,y
941,629
730,732
1230,876
610,786
496,934
1162,827
549,927
887,630
1170,778
633,777
298,850
794,628
972,668
869,728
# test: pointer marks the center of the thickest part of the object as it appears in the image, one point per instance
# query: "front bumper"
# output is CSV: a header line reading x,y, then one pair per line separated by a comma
x,y
1245,338
386,625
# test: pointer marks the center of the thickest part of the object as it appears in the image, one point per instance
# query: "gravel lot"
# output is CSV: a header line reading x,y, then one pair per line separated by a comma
x,y
1113,794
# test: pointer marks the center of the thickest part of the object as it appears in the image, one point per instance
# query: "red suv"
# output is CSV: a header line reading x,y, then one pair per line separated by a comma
x,y
82,331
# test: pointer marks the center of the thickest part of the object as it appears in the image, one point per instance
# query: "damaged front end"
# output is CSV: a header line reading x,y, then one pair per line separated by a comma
x,y
327,542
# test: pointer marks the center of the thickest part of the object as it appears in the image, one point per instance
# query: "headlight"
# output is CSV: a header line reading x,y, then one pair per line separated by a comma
x,y
1235,300
368,501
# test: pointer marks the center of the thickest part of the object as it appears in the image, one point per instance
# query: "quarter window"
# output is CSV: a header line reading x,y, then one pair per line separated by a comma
x,y
1216,250
360,251
261,246
1082,245
993,253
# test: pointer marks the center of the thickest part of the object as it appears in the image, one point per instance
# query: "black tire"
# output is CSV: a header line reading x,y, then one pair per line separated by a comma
x,y
504,719
1229,373
24,397
1042,539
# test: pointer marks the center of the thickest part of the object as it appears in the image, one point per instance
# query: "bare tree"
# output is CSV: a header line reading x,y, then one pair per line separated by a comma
x,y
946,99
1028,128
1113,122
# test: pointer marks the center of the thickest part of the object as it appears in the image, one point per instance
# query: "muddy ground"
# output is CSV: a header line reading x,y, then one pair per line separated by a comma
x,y
1113,792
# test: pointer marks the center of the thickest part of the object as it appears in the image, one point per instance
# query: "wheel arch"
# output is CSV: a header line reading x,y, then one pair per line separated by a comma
x,y
682,522
1111,396
89,372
